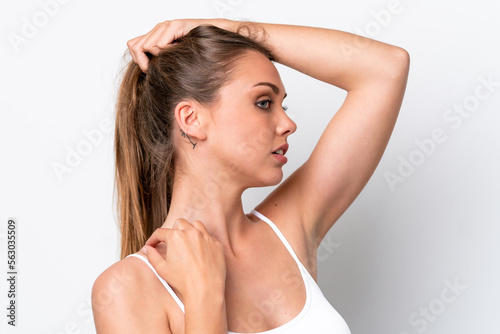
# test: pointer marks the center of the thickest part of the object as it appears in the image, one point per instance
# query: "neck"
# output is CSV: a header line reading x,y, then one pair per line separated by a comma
x,y
211,198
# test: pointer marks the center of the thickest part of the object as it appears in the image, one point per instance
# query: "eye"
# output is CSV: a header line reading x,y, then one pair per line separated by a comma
x,y
265,104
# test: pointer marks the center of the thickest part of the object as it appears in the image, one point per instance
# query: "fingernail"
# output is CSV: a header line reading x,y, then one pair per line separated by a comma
x,y
145,250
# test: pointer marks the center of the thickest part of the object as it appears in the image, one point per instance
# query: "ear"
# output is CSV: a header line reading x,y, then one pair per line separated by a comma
x,y
190,119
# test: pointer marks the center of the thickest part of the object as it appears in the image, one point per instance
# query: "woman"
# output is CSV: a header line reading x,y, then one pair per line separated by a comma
x,y
199,120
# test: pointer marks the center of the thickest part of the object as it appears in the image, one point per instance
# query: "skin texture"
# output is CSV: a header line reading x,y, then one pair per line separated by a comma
x,y
225,263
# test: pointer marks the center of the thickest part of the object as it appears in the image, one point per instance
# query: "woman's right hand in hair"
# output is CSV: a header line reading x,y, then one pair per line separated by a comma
x,y
162,35
194,262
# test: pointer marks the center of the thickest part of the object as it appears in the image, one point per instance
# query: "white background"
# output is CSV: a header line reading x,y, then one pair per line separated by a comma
x,y
386,265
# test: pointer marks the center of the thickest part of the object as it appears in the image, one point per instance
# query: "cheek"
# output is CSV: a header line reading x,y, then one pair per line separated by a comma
x,y
262,137
241,137
232,139
245,134
237,127
255,143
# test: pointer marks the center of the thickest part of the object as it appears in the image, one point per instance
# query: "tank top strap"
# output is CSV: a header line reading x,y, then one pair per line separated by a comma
x,y
281,236
165,284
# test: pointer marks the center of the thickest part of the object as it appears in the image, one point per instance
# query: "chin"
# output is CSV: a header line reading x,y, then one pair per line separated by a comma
x,y
274,179
266,179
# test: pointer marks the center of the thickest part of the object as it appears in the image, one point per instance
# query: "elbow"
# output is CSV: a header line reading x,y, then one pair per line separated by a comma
x,y
394,72
390,69
399,64
403,59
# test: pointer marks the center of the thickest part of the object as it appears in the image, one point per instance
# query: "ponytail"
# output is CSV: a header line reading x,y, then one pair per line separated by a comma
x,y
143,195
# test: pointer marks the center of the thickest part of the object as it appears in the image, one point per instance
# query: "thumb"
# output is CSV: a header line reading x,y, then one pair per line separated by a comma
x,y
156,260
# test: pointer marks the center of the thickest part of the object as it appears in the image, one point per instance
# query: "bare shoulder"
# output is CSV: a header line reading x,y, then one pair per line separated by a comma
x,y
127,298
277,208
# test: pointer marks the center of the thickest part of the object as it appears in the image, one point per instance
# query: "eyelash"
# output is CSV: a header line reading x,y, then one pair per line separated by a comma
x,y
285,108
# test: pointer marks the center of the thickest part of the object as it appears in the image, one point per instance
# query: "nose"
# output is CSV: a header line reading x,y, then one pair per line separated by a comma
x,y
285,125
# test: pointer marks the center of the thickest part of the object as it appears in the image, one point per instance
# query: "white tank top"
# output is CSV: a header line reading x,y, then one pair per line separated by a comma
x,y
317,316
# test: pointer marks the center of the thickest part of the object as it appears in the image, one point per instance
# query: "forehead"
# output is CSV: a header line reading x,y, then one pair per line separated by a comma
x,y
250,70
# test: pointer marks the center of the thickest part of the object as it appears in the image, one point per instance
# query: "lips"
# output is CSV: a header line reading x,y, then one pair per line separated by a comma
x,y
281,150
279,153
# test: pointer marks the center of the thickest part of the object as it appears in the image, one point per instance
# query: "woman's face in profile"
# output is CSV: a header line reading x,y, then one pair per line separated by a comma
x,y
249,122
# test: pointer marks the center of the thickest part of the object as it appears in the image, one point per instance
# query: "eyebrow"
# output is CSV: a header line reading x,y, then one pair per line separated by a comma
x,y
275,88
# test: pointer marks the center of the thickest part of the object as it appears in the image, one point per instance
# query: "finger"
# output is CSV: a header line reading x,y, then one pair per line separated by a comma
x,y
130,45
142,61
199,226
151,43
132,42
181,224
138,52
156,260
148,42
159,235
172,33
